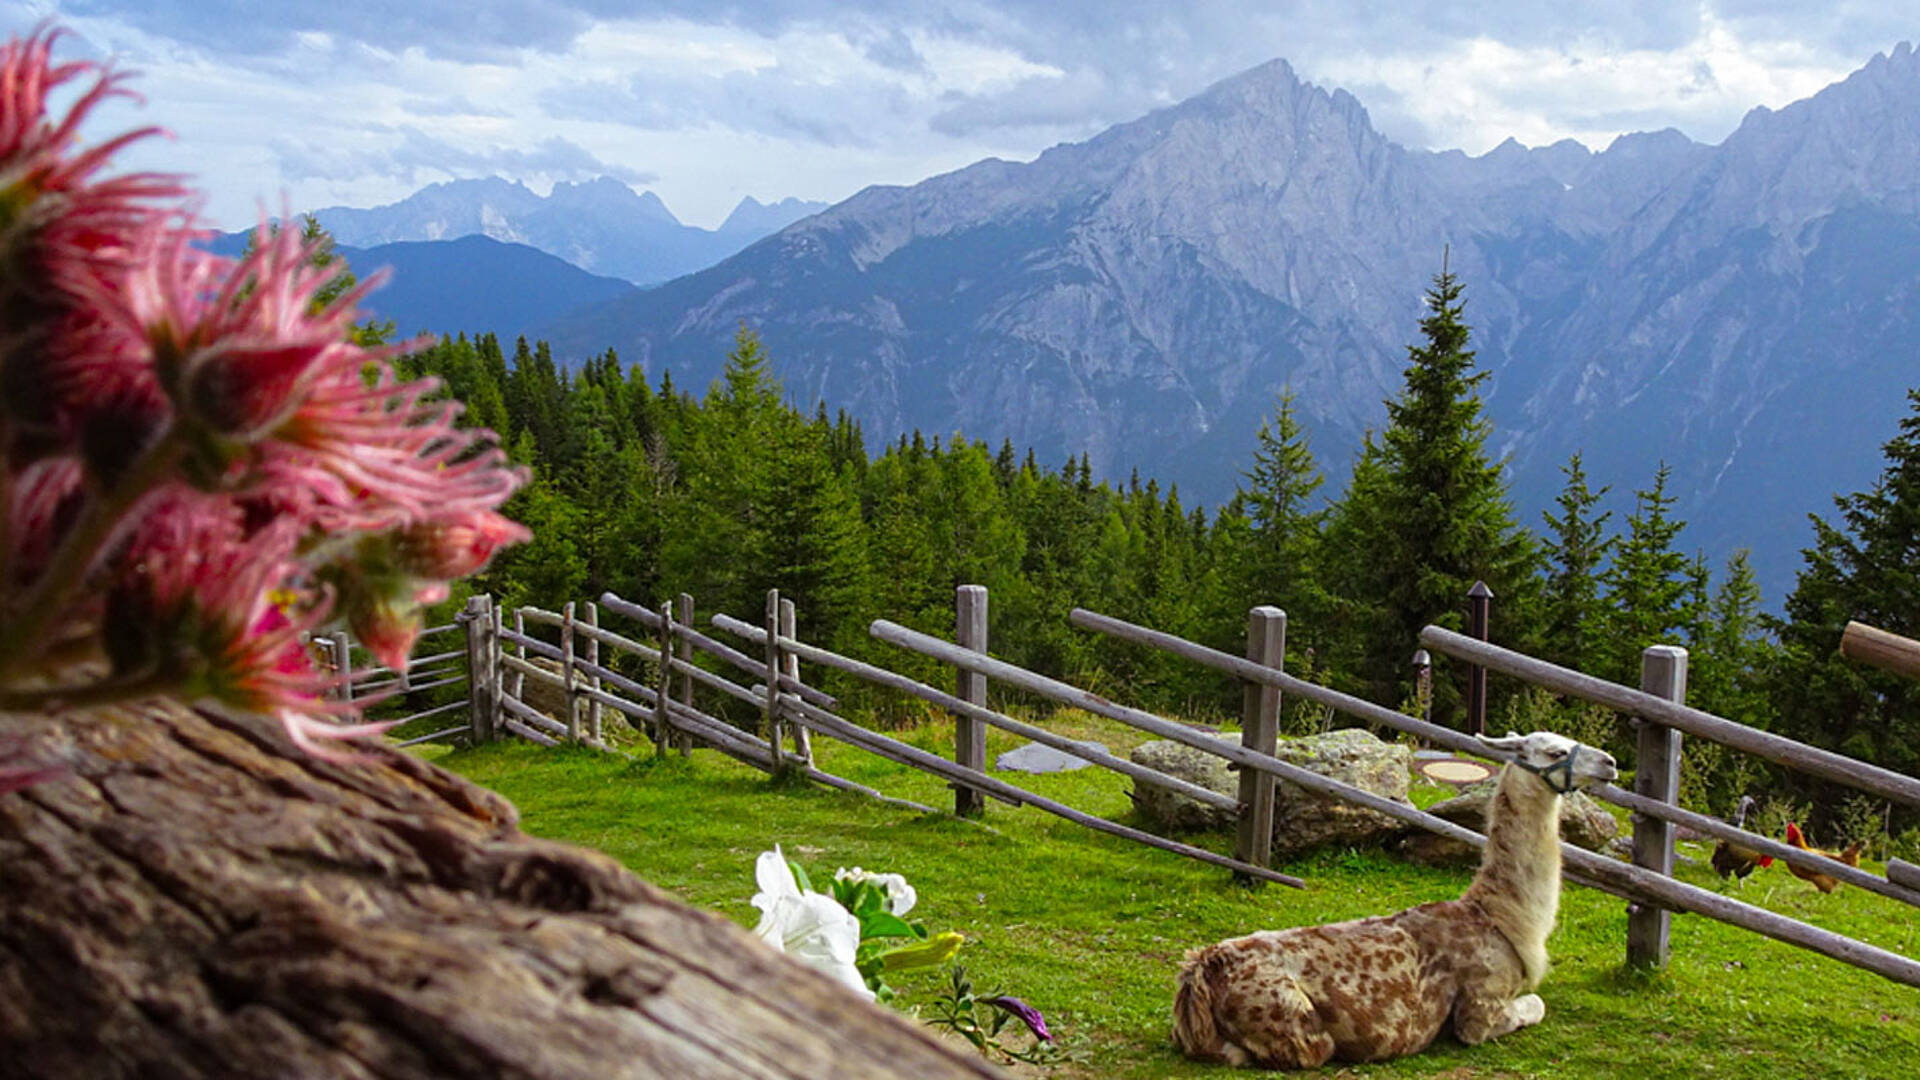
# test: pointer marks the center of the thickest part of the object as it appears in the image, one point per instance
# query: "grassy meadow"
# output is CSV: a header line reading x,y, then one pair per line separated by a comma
x,y
1090,928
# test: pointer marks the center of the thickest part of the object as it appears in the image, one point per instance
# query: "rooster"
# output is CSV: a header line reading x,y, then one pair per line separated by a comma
x,y
1823,882
1737,860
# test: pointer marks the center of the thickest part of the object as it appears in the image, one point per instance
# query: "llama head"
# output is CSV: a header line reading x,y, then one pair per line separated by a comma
x,y
1559,761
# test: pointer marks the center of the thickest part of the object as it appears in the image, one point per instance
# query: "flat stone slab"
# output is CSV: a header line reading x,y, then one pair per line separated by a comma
x,y
1035,758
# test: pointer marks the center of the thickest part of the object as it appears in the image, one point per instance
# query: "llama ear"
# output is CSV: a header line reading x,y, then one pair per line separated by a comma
x,y
1510,742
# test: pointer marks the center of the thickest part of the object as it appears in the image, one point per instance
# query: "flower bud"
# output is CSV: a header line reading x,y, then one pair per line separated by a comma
x,y
458,546
387,626
1023,1012
937,949
243,389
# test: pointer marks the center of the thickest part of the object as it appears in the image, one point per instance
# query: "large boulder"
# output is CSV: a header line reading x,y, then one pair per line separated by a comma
x,y
1583,823
1301,819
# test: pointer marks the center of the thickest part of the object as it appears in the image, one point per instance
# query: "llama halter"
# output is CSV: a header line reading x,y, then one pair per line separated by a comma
x,y
1563,767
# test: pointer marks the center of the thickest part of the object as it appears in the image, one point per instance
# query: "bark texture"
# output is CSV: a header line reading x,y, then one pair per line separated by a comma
x,y
195,898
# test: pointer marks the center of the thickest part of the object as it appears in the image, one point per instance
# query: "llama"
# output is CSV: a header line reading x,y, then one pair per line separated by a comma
x,y
1378,988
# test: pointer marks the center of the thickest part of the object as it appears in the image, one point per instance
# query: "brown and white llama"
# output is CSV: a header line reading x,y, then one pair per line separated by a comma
x,y
1378,988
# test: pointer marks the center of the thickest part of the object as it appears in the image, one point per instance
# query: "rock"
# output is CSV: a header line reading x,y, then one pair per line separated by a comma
x,y
541,695
1583,823
1302,820
1035,758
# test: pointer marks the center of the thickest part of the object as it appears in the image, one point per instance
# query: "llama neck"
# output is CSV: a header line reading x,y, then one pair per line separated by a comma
x,y
1518,885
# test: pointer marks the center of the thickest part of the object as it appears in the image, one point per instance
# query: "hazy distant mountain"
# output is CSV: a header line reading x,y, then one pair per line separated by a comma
x,y
472,285
477,284
758,219
600,225
1745,311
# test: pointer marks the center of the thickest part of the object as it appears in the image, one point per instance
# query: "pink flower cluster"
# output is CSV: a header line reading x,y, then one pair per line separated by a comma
x,y
198,464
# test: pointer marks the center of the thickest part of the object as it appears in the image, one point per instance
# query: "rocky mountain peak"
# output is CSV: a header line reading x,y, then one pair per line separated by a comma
x,y
606,195
752,215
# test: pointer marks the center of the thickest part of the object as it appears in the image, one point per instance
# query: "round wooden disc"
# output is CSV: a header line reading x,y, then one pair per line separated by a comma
x,y
1456,770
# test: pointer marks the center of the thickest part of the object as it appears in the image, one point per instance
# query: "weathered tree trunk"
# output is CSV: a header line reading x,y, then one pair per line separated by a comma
x,y
197,898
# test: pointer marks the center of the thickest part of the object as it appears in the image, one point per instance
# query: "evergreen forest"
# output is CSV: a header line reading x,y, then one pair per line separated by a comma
x,y
650,489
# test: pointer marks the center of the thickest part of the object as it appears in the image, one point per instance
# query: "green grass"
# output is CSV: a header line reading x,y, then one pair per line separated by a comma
x,y
1090,928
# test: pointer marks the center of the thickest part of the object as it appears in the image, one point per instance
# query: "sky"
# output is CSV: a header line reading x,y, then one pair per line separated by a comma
x,y
362,102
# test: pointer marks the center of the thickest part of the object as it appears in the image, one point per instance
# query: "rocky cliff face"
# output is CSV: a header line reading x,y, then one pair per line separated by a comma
x,y
1739,311
600,225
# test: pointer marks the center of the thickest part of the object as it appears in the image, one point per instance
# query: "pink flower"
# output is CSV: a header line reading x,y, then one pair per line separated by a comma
x,y
47,185
45,496
384,454
201,463
235,344
456,546
63,234
225,613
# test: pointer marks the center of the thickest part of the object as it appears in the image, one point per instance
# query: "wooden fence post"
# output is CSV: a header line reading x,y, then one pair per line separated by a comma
x,y
969,734
776,734
593,681
1259,730
497,681
664,730
685,738
342,647
1479,603
566,672
1656,775
520,677
481,705
790,628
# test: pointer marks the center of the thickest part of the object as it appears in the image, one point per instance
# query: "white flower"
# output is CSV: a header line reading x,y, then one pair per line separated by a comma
x,y
810,927
900,896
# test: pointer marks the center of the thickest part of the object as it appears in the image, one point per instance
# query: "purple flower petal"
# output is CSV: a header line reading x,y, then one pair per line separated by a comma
x,y
1026,1013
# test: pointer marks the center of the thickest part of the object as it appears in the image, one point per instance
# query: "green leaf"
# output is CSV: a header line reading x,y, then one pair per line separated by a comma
x,y
881,924
800,876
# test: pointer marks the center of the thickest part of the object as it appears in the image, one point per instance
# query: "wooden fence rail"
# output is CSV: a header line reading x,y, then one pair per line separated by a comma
x,y
893,681
1811,760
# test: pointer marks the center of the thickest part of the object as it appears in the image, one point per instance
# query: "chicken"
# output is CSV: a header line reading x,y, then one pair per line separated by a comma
x,y
1736,860
1825,883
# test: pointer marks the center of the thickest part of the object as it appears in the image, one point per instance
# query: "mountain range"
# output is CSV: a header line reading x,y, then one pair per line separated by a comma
x,y
1744,312
602,226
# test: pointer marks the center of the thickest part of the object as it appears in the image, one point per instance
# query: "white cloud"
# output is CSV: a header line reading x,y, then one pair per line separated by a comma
x,y
1479,92
818,98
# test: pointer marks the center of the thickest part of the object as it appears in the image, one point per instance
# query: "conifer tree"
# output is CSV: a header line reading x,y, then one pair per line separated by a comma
x,y
1276,560
1723,674
1576,551
1440,518
1647,585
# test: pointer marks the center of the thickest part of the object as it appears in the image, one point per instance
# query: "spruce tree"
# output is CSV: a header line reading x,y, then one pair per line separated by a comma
x,y
1278,560
1574,617
1647,586
1725,668
1440,518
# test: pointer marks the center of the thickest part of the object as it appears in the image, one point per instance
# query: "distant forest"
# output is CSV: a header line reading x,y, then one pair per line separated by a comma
x,y
652,490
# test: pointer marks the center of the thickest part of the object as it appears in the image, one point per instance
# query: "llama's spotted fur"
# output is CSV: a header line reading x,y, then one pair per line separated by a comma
x,y
1378,988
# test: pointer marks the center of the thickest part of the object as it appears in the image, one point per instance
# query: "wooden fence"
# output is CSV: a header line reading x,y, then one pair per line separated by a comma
x,y
766,676
432,671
